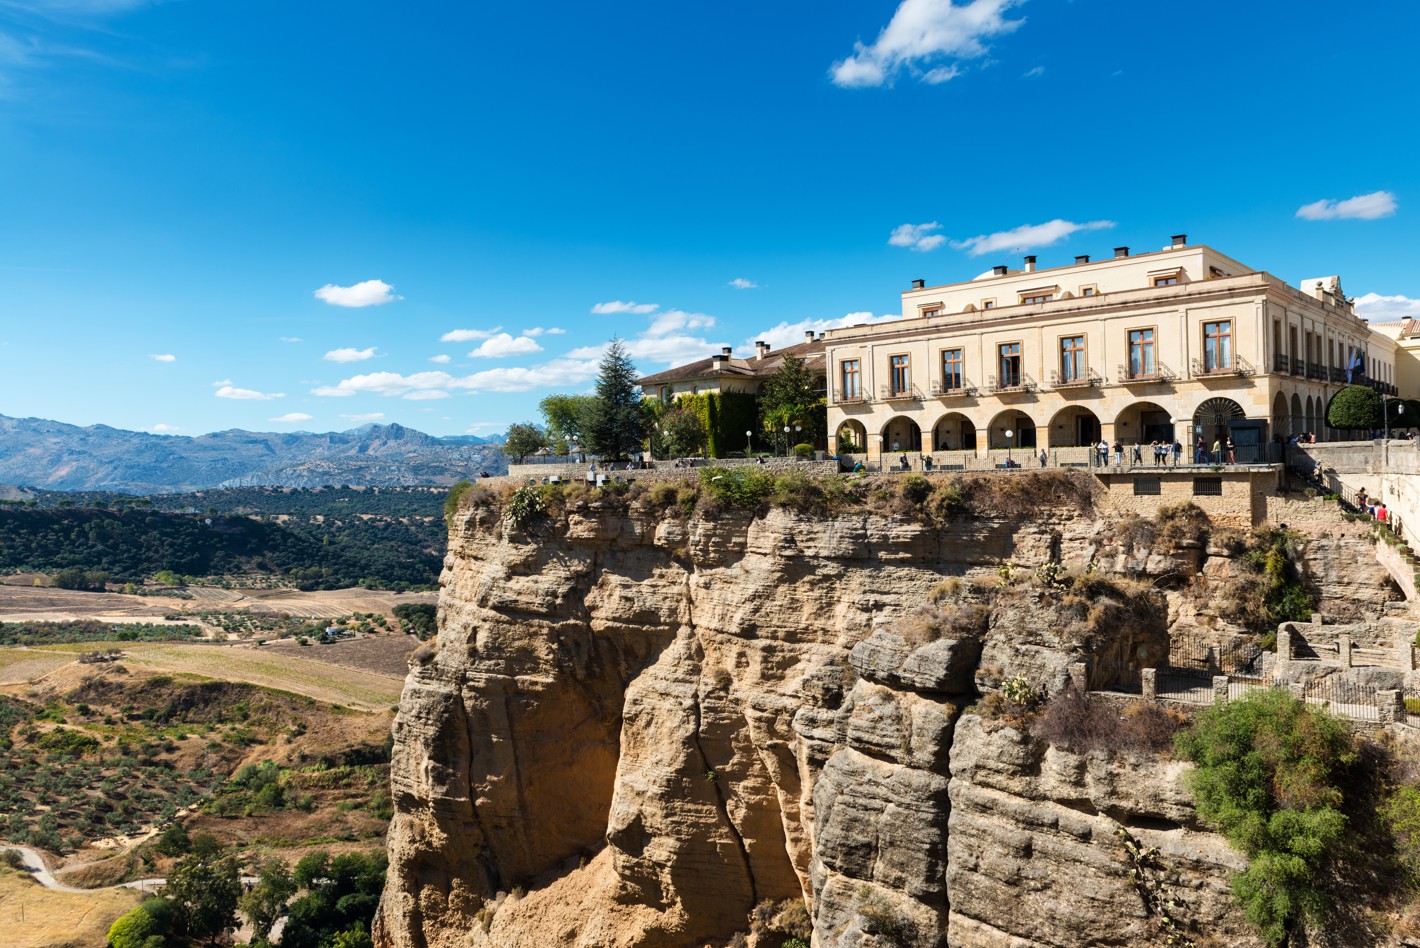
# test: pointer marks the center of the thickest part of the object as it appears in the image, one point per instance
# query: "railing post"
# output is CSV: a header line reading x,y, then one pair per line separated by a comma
x,y
1149,682
1284,642
1392,706
1220,689
1343,650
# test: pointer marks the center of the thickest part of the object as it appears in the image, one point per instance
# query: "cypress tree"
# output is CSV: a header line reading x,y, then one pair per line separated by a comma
x,y
615,422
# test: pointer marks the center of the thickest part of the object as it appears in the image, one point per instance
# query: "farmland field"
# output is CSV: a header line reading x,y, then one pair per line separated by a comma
x,y
32,916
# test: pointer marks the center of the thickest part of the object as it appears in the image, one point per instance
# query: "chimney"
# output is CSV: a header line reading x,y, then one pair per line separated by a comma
x,y
822,336
761,349
1082,258
998,271
1179,240
1030,264
808,335
725,351
715,362
1121,251
918,284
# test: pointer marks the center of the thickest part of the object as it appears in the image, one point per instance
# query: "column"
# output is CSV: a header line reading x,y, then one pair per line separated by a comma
x,y
1343,650
1149,679
1392,706
1220,689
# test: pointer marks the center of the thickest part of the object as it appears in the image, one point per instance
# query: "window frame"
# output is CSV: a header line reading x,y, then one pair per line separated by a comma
x,y
1083,368
1204,487
960,363
1221,365
1152,346
906,367
1090,289
857,376
1019,356
1037,299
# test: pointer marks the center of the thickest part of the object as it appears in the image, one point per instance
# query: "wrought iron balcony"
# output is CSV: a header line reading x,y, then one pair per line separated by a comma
x,y
1280,364
1338,376
1236,366
1091,379
1161,373
839,398
940,390
1315,370
888,393
1299,367
1017,383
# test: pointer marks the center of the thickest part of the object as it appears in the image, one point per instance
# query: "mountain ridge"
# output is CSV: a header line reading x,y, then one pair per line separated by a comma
x,y
38,452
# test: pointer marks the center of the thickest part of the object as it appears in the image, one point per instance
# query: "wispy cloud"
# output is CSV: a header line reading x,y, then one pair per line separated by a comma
x,y
164,429
468,335
740,283
290,418
669,339
442,359
1026,236
420,386
365,416
926,39
791,334
349,355
1033,73
164,357
503,345
225,389
617,306
919,237
540,331
292,339
1363,207
366,293
1381,309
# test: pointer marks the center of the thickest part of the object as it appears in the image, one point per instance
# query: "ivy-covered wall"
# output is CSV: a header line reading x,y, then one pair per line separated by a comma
x,y
727,416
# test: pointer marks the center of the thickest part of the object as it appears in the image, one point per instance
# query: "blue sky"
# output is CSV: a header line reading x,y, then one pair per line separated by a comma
x,y
313,215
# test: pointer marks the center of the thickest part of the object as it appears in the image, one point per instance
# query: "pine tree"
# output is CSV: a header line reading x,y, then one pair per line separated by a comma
x,y
615,422
791,396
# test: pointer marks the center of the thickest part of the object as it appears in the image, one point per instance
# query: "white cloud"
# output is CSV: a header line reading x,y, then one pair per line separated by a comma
x,y
367,293
1363,207
291,417
467,335
1382,309
165,357
365,416
426,395
421,386
349,355
666,340
225,389
292,339
164,429
503,345
740,283
922,33
476,427
791,334
1033,73
441,359
617,306
539,331
917,237
1026,236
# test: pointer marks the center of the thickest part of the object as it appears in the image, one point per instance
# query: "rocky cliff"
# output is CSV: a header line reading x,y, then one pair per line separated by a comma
x,y
639,725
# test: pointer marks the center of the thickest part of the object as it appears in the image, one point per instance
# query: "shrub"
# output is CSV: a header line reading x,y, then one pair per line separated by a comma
x,y
454,500
1183,525
663,494
523,506
743,488
145,926
1083,724
804,451
1269,777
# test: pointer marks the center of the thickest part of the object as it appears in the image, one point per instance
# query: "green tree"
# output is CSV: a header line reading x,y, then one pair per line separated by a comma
x,y
204,891
684,431
1269,777
615,422
451,502
565,417
791,396
147,925
262,905
524,439
1355,408
341,893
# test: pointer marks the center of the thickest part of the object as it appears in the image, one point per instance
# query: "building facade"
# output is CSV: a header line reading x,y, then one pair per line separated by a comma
x,y
725,373
1179,343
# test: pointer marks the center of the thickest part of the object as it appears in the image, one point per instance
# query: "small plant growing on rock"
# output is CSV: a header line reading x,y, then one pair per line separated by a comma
x,y
1019,692
525,504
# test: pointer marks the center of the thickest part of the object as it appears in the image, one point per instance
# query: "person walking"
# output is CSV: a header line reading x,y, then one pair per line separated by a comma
x,y
1138,452
1198,451
1217,451
1043,457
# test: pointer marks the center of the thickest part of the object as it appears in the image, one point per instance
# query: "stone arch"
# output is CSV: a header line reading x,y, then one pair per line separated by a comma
x,y
1281,416
1310,415
1214,418
901,433
954,432
1074,426
857,435
1298,415
1021,426
1142,422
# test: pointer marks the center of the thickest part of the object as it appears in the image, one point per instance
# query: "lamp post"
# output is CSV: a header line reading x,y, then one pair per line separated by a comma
x,y
1010,435
786,441
748,435
797,437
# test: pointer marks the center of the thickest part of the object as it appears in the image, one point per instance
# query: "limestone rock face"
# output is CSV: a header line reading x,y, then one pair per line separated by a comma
x,y
638,727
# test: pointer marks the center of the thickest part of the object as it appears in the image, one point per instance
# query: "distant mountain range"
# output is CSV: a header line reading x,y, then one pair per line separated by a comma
x,y
52,455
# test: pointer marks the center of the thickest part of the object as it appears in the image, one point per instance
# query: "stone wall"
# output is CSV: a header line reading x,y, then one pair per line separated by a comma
x,y
1243,502
658,470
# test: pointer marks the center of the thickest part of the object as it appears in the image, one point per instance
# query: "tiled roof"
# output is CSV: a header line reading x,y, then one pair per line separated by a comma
x,y
812,353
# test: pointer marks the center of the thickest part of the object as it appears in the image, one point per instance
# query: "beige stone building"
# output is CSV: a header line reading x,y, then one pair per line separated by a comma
x,y
1181,343
1406,333
726,373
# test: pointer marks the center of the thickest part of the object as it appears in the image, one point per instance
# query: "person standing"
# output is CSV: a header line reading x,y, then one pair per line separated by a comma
x,y
1232,451
1217,451
1138,452
1118,454
1198,451
1043,457
1102,452
1177,452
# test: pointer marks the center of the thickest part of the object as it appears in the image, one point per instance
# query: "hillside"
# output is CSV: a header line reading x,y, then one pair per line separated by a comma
x,y
56,456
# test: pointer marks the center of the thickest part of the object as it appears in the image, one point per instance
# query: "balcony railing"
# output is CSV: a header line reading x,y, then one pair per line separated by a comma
x,y
1280,364
889,393
1315,370
1385,388
839,398
1338,376
1161,373
1236,366
939,390
1091,379
1019,383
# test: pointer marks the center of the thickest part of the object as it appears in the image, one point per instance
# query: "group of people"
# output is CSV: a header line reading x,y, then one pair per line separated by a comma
x,y
1161,450
1372,506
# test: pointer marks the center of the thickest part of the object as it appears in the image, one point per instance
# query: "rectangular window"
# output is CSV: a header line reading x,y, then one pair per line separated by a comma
x,y
988,304
1042,298
1072,358
1207,487
1010,364
953,370
901,375
1148,487
852,379
1217,345
929,313
1166,281
1141,354
1088,291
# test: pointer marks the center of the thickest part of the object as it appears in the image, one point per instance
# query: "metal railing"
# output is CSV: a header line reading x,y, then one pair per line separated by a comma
x,y
888,393
1315,370
1298,366
1019,383
1091,378
1161,373
1237,365
838,398
940,390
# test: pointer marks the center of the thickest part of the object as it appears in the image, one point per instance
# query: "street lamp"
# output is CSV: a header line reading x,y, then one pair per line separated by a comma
x,y
748,436
786,441
1009,436
797,438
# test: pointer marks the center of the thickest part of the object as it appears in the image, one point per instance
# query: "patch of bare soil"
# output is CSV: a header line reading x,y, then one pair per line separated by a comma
x,y
382,654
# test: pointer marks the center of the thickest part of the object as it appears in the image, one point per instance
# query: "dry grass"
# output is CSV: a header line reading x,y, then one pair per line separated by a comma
x,y
32,916
946,621
1084,724
20,665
